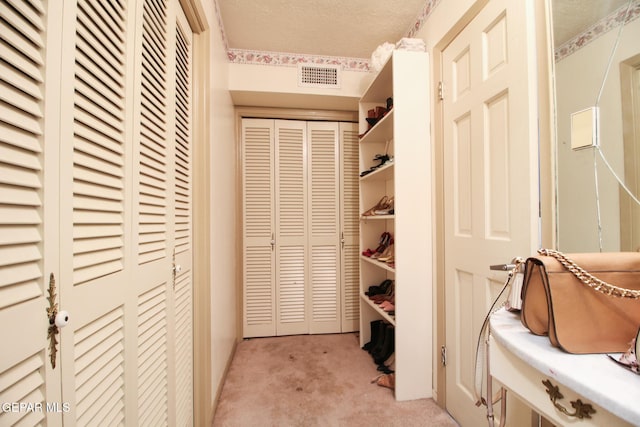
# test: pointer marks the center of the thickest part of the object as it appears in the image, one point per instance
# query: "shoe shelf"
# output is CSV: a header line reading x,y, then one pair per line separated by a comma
x,y
402,134
388,317
379,264
381,131
366,218
383,173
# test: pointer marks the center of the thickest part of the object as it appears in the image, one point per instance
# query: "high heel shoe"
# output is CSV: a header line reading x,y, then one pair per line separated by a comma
x,y
380,205
387,209
387,254
385,241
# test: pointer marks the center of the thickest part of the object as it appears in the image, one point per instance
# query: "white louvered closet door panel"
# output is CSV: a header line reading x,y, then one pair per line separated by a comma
x,y
24,358
349,218
153,217
183,185
291,227
324,227
94,209
258,215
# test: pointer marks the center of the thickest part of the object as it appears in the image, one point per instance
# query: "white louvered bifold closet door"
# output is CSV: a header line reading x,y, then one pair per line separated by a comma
x,y
153,206
291,227
258,219
125,208
324,227
94,210
95,187
349,197
300,227
183,214
24,359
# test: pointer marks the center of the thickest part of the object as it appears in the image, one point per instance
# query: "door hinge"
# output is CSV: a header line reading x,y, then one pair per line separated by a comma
x,y
440,91
443,355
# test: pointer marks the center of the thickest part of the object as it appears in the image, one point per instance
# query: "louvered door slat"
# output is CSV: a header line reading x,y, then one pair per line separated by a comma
x,y
29,66
30,11
15,79
18,137
25,122
30,42
9,194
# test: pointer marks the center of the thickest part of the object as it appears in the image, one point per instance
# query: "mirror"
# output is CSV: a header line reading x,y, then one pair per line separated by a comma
x,y
597,75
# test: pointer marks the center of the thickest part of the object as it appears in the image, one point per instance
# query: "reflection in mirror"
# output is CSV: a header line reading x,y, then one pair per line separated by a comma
x,y
597,53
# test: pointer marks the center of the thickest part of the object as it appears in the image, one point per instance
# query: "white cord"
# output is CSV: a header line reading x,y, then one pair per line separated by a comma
x,y
599,219
613,51
622,184
597,146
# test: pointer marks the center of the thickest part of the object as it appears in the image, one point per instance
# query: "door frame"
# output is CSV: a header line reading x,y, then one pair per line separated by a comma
x,y
201,199
547,166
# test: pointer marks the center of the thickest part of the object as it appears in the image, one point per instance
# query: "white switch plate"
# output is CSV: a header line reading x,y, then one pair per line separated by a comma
x,y
584,128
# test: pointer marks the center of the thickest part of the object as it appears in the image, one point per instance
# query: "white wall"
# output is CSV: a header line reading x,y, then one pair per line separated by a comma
x,y
578,80
223,211
277,86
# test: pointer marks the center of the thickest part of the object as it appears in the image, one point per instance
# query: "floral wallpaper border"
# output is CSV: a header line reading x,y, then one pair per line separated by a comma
x,y
599,28
241,56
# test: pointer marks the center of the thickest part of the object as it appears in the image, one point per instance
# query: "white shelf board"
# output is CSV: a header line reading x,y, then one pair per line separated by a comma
x,y
389,318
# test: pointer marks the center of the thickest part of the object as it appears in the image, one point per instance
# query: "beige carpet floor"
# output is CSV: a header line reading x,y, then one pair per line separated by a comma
x,y
314,380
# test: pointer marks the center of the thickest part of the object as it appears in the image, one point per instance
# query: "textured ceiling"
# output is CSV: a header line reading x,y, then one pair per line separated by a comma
x,y
572,17
354,28
343,28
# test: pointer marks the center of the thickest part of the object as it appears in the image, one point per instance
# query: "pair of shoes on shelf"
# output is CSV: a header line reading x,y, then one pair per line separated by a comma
x,y
384,160
387,209
385,241
384,251
383,207
389,295
387,306
380,289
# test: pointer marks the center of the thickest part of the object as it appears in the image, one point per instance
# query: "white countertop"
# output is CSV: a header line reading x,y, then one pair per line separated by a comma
x,y
594,376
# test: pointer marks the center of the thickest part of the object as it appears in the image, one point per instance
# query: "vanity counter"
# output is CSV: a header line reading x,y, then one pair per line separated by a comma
x,y
521,361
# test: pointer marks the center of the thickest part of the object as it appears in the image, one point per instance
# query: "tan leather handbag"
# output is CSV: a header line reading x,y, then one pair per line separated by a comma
x,y
572,299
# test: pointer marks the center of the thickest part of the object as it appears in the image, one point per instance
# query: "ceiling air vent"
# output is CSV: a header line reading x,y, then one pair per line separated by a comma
x,y
326,76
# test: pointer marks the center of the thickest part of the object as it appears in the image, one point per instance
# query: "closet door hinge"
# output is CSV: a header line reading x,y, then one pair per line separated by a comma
x,y
443,355
440,91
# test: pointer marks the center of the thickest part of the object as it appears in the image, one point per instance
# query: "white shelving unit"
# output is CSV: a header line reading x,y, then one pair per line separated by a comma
x,y
404,132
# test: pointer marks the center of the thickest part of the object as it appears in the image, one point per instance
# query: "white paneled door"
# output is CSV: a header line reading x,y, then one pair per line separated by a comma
x,y
490,177
298,267
96,191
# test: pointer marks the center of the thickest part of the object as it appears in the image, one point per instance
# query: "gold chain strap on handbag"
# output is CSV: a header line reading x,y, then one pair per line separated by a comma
x,y
588,279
